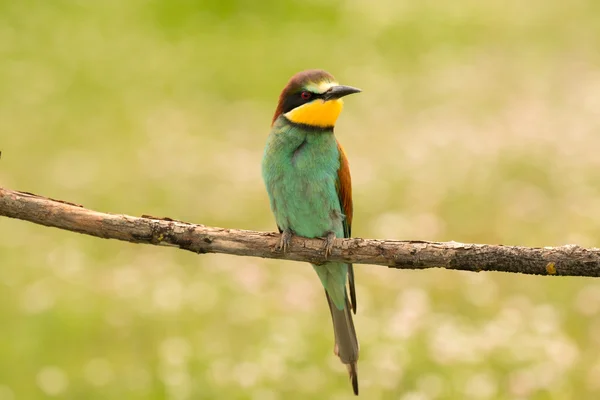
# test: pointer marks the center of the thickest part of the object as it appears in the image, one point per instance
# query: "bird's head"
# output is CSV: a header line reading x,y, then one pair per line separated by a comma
x,y
312,98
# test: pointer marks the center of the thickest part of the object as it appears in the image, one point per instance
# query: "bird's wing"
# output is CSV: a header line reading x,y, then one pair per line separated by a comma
x,y
344,190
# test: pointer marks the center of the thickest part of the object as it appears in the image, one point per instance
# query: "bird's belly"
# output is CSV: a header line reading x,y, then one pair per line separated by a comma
x,y
309,206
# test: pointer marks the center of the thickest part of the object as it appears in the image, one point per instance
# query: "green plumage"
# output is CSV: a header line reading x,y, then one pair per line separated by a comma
x,y
300,170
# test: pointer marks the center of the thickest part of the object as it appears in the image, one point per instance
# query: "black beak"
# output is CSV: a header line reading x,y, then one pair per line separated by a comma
x,y
339,91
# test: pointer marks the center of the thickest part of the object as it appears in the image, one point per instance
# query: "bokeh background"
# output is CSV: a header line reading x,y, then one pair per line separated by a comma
x,y
479,122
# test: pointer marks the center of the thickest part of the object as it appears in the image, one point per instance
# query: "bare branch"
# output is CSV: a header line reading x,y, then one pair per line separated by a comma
x,y
568,260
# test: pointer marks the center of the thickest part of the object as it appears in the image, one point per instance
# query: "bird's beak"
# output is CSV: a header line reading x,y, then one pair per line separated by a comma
x,y
339,91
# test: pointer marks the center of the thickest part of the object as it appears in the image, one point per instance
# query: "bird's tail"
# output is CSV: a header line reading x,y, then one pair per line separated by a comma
x,y
346,342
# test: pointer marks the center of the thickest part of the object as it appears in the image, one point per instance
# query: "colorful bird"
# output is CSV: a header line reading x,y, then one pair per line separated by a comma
x,y
308,180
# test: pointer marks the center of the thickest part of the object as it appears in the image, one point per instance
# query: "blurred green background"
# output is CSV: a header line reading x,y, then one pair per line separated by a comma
x,y
479,122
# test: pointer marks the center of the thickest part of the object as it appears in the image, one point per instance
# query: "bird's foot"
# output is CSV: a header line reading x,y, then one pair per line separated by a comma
x,y
329,240
284,241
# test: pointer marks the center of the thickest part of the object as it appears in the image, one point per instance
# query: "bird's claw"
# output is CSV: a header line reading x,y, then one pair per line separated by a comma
x,y
329,240
284,241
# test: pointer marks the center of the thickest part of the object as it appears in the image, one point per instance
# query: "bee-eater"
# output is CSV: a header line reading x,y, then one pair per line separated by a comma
x,y
308,180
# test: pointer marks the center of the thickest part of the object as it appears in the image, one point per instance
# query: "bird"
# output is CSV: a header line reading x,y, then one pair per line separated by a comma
x,y
307,177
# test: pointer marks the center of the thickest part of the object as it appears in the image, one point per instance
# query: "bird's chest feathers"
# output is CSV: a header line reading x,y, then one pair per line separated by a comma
x,y
314,157
304,191
313,165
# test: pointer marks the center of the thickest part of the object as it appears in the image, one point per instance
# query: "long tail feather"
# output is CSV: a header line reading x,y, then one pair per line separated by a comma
x,y
352,287
346,342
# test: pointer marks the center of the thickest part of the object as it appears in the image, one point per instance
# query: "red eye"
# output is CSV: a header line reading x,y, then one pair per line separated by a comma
x,y
305,95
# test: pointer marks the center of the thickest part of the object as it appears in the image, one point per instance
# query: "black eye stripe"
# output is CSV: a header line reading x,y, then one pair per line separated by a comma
x,y
295,100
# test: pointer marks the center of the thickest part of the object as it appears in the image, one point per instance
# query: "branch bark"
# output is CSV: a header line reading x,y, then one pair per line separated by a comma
x,y
569,260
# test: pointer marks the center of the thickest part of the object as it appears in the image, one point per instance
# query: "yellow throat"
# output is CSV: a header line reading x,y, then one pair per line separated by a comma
x,y
319,113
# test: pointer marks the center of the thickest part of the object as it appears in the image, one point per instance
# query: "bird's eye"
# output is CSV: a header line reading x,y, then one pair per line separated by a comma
x,y
305,95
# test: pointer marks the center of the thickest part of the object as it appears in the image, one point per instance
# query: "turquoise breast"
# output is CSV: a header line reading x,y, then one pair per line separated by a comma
x,y
300,170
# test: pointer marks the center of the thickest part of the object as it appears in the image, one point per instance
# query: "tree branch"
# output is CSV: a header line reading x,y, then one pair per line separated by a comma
x,y
568,260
